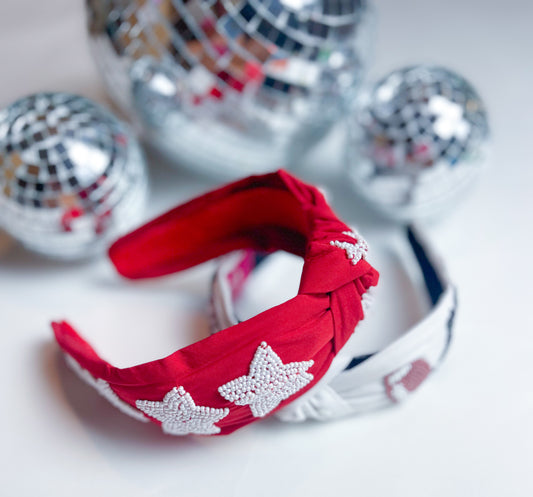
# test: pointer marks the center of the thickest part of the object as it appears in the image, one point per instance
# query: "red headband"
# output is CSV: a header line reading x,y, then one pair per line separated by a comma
x,y
256,367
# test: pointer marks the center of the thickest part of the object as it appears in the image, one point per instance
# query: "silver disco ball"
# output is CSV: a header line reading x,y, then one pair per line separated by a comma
x,y
71,175
417,139
231,87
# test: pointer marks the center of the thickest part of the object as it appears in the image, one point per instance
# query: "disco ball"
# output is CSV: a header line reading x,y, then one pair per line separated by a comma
x,y
417,139
231,87
71,175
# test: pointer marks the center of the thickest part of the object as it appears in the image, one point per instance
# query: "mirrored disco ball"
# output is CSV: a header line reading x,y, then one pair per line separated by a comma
x,y
417,140
71,175
231,86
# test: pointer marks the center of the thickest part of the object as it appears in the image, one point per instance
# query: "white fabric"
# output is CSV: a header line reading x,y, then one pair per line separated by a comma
x,y
375,383
362,388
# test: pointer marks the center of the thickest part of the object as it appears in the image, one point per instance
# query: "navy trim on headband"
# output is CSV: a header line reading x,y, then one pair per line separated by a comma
x,y
433,282
434,286
358,360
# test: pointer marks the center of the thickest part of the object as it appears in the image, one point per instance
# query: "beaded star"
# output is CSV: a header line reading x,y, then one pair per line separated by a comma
x,y
179,415
268,382
354,251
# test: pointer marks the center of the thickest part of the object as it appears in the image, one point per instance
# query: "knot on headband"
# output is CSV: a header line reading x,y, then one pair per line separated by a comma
x,y
258,366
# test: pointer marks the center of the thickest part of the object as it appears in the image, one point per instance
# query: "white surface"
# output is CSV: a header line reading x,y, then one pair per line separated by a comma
x,y
467,433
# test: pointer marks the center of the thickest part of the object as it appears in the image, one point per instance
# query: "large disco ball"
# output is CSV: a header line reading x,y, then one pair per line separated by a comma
x,y
231,86
72,176
417,139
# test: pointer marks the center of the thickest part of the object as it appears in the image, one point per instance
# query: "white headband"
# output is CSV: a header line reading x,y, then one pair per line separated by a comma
x,y
356,383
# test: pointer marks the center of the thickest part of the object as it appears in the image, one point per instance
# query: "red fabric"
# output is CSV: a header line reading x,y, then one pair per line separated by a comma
x,y
270,212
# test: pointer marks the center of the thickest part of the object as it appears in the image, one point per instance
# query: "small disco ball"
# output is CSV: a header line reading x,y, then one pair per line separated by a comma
x,y
231,87
71,175
417,140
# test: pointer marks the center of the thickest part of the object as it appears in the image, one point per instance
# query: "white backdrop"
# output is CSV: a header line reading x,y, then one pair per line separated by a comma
x,y
468,432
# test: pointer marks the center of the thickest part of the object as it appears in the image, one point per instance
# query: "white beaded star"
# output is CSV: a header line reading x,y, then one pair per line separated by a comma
x,y
104,389
354,251
179,414
269,381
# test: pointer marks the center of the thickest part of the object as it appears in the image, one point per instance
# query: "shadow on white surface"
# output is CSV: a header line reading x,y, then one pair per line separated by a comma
x,y
104,424
17,258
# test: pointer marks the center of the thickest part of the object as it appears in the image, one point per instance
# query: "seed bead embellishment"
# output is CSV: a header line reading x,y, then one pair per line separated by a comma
x,y
400,383
268,382
179,415
354,251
